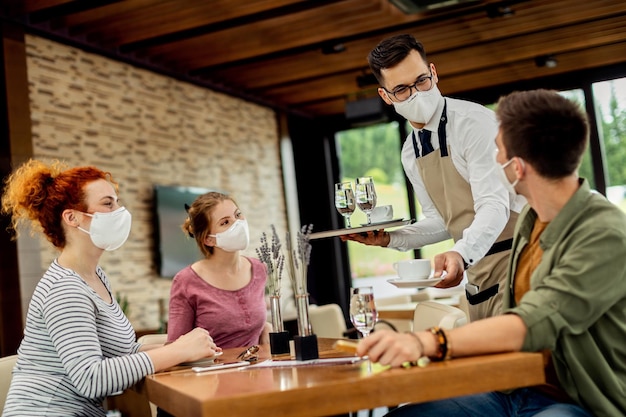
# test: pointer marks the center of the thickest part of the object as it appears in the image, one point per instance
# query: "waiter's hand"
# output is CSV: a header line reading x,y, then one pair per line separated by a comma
x,y
451,262
372,238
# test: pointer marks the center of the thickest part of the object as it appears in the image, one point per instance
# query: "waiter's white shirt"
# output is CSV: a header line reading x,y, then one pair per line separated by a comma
x,y
471,133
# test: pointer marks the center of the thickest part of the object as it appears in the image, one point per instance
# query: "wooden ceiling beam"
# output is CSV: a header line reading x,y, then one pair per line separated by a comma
x,y
30,6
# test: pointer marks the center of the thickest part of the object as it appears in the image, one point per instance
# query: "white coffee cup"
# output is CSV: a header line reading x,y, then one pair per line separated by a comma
x,y
382,214
413,268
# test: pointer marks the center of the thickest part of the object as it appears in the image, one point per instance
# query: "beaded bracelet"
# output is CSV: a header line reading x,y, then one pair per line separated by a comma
x,y
442,340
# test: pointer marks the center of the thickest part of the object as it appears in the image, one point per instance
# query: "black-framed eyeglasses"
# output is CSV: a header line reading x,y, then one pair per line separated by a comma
x,y
423,83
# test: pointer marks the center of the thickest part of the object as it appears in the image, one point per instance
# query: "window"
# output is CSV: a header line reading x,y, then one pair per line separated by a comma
x,y
610,105
375,151
609,98
586,168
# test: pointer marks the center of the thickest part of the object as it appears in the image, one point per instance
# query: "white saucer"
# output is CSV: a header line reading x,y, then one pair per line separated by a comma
x,y
203,361
415,283
382,222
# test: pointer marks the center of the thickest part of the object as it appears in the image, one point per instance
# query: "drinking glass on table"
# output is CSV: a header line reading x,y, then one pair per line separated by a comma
x,y
365,196
363,313
344,200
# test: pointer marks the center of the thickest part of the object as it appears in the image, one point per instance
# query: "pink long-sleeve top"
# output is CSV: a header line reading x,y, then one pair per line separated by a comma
x,y
233,318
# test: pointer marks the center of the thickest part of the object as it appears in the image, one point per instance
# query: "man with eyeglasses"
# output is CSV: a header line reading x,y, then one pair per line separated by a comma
x,y
449,159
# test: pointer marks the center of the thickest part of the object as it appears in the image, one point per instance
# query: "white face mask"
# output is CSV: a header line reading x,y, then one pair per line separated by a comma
x,y
420,107
502,175
109,231
235,238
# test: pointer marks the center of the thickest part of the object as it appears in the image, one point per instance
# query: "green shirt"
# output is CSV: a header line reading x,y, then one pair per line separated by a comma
x,y
576,306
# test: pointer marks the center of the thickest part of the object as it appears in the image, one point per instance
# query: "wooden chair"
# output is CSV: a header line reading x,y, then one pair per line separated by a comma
x,y
6,372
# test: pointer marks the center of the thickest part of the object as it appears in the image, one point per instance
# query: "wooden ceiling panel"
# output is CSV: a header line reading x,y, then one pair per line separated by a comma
x,y
270,51
119,27
264,37
527,70
526,48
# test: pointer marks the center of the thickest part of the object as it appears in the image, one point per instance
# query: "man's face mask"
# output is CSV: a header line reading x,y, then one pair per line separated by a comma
x,y
510,187
420,107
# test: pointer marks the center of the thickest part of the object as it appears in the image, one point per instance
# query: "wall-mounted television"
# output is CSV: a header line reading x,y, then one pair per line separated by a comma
x,y
174,249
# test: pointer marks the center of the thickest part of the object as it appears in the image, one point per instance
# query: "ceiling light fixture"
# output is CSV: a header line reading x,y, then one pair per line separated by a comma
x,y
417,6
548,61
333,48
499,10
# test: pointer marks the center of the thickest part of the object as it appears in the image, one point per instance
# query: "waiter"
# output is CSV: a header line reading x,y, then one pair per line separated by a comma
x,y
449,159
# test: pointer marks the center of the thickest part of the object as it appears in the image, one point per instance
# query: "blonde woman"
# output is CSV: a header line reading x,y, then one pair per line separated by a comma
x,y
223,292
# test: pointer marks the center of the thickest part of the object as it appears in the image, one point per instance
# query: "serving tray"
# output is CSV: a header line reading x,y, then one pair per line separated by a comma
x,y
360,229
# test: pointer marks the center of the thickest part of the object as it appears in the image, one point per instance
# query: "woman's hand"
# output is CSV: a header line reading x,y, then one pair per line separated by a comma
x,y
192,346
198,344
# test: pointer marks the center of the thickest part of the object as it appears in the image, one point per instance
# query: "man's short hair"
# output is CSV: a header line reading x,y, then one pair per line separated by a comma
x,y
545,129
391,51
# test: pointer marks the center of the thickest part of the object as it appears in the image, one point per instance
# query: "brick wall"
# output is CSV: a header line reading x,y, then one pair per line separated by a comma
x,y
148,129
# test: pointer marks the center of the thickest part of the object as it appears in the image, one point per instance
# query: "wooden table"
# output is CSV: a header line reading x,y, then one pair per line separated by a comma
x,y
397,311
333,389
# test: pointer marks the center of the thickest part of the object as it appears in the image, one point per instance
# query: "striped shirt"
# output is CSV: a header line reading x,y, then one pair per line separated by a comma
x,y
77,349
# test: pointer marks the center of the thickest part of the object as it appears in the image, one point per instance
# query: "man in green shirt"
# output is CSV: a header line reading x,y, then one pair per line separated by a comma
x,y
566,286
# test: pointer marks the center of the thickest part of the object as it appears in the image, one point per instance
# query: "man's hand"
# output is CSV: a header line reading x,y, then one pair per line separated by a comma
x,y
390,348
372,238
451,262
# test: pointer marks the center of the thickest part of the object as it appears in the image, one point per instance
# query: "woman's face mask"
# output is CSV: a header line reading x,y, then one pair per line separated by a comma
x,y
420,107
237,237
109,231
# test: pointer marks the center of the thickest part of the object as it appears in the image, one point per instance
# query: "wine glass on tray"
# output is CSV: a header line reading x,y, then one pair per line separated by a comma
x,y
363,314
344,200
365,196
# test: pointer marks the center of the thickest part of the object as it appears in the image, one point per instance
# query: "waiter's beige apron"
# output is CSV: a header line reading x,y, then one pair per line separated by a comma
x,y
452,196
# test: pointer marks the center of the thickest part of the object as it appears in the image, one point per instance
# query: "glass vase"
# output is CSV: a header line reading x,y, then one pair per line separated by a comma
x,y
277,318
302,305
279,338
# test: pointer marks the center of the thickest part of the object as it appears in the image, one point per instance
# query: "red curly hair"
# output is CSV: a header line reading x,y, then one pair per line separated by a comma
x,y
39,192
